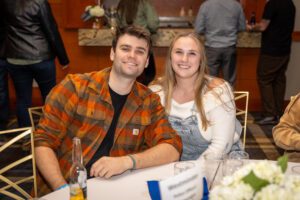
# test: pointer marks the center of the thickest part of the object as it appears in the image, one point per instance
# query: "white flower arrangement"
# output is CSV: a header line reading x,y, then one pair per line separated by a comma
x,y
95,11
262,180
92,11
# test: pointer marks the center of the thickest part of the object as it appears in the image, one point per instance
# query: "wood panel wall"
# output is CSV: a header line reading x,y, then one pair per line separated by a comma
x,y
87,59
72,9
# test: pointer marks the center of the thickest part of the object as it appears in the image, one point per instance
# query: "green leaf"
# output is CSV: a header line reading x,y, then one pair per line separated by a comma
x,y
283,162
255,182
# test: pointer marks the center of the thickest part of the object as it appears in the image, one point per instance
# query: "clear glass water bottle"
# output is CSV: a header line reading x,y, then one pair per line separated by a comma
x,y
78,174
252,19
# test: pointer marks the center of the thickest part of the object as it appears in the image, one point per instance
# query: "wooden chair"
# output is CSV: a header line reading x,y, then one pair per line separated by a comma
x,y
12,186
35,114
241,99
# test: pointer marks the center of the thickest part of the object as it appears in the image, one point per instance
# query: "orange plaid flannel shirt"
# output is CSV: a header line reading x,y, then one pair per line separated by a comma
x,y
81,106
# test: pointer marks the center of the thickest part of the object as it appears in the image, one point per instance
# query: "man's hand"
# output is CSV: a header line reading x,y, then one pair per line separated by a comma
x,y
106,167
249,27
64,67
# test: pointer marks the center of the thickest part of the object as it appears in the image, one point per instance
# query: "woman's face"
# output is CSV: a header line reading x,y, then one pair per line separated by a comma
x,y
185,58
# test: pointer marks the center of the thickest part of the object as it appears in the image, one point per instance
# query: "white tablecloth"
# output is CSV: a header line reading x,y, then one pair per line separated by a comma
x,y
131,184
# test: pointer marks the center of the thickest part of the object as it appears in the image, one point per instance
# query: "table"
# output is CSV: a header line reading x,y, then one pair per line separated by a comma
x,y
133,184
129,185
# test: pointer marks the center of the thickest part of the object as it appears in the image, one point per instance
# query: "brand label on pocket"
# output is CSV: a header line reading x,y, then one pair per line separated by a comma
x,y
135,131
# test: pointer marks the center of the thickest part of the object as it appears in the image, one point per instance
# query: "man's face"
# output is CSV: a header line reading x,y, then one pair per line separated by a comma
x,y
130,57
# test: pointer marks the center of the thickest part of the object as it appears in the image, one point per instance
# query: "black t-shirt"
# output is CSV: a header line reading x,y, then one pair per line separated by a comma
x,y
118,102
277,38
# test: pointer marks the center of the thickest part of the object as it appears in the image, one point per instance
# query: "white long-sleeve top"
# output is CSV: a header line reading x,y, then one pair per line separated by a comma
x,y
224,129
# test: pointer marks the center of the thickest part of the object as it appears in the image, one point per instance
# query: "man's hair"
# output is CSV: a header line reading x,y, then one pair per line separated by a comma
x,y
133,30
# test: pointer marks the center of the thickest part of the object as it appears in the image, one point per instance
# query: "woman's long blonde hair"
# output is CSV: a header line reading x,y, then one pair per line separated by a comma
x,y
168,82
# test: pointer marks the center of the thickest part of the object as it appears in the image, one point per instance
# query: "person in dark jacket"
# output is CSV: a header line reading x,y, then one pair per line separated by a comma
x,y
4,105
32,43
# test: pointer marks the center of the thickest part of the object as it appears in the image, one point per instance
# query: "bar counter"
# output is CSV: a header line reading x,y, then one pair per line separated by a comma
x,y
163,37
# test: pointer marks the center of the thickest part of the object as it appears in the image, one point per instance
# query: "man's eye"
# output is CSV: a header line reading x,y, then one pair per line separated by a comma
x,y
125,49
140,52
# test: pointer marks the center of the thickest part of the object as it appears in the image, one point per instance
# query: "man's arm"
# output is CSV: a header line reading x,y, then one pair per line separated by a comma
x,y
287,133
200,20
47,164
261,26
52,129
157,155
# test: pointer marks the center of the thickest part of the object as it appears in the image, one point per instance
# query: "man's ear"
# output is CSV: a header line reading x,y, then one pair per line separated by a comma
x,y
112,54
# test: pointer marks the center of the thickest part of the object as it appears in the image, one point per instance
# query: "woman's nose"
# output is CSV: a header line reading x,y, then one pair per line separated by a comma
x,y
185,57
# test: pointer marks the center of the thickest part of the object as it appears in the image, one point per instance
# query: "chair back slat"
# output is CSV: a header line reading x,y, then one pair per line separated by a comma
x,y
35,113
241,99
15,139
14,186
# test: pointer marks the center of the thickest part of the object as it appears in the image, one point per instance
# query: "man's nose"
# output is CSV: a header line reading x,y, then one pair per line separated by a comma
x,y
132,54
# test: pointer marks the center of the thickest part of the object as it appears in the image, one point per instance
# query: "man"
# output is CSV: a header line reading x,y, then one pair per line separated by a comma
x,y
114,116
220,21
287,133
277,26
4,102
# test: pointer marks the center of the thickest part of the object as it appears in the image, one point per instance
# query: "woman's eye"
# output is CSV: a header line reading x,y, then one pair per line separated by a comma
x,y
178,52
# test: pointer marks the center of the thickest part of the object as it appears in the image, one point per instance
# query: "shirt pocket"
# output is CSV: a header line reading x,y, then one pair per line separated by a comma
x,y
133,134
89,121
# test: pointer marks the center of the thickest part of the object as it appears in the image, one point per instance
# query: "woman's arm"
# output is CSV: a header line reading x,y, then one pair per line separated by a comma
x,y
222,129
221,113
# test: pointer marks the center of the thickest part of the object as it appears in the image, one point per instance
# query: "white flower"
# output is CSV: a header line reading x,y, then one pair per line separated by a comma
x,y
273,192
292,182
88,8
96,11
281,186
268,171
240,191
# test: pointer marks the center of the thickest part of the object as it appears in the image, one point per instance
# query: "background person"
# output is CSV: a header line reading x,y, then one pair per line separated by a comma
x,y
32,43
286,133
112,114
141,13
4,102
220,21
277,26
200,107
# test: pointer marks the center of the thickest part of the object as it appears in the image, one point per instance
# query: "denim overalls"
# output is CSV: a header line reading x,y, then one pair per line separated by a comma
x,y
194,144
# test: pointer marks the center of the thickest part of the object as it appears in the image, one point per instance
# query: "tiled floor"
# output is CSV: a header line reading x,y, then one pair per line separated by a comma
x,y
260,143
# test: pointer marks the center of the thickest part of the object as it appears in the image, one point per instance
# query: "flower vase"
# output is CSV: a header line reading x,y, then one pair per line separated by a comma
x,y
97,23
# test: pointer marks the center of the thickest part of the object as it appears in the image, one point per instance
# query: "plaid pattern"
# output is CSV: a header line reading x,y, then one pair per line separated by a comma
x,y
81,106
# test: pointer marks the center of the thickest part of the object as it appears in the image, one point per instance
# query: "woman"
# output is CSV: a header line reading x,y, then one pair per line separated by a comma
x,y
141,13
200,107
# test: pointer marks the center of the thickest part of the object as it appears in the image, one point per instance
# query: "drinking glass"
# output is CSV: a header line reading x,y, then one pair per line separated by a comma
x,y
239,155
212,164
182,166
231,165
